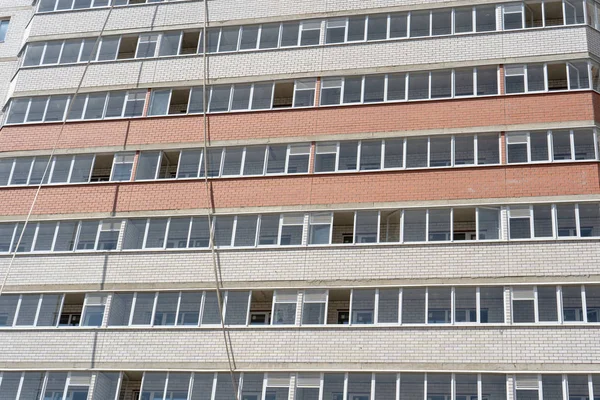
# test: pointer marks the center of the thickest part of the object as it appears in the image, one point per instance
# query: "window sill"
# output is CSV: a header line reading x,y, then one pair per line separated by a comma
x,y
336,327
300,247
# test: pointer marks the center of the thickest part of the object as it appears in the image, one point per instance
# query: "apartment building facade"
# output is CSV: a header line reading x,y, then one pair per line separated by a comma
x,y
320,200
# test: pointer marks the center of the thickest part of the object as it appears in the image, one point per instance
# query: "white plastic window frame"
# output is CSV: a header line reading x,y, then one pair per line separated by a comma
x,y
278,301
121,155
148,38
545,67
572,133
282,224
311,224
163,395
305,301
522,12
37,312
535,298
527,141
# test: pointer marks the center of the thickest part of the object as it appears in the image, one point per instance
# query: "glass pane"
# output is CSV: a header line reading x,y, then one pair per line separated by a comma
x,y
542,221
440,149
120,309
156,233
199,236
492,304
465,304
269,36
276,159
561,144
463,81
210,313
8,308
394,153
189,308
154,385
28,310
413,305
572,306
92,316
363,306
249,37
416,152
219,98
366,227
565,220
592,300
45,236
441,84
37,109
223,230
547,306
589,219
142,314
202,386
418,85
585,148
359,385
178,233
488,150
178,386
439,305
56,108
374,88
245,230
189,164
269,229
352,90
333,386
412,386
552,387
398,25
232,164
166,308
414,225
236,308
438,386
225,388
254,161
10,385
396,89
493,386
419,23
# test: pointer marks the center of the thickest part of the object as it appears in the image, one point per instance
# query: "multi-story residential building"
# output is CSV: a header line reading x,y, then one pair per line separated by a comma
x,y
314,200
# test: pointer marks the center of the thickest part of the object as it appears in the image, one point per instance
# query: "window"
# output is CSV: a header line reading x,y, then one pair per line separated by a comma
x,y
413,306
320,228
527,387
523,305
292,227
513,16
363,306
122,166
93,310
284,307
156,384
314,307
3,29
439,305
419,23
514,77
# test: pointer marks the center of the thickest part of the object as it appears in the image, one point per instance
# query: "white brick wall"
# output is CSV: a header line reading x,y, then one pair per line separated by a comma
x,y
370,265
419,54
452,349
178,14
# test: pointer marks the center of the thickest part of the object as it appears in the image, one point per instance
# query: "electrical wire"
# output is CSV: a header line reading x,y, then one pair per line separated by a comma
x,y
210,207
53,151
